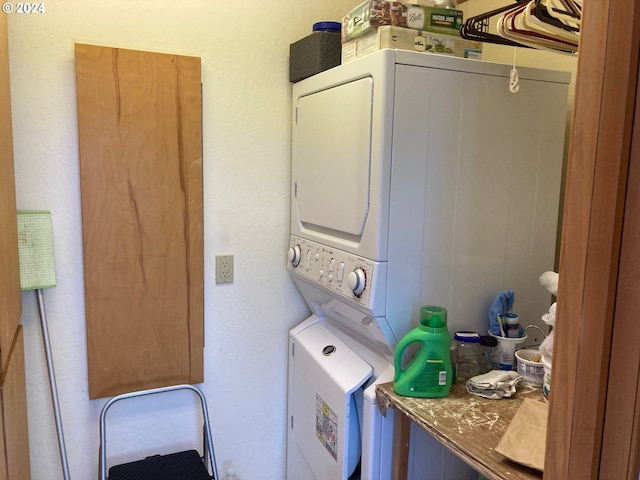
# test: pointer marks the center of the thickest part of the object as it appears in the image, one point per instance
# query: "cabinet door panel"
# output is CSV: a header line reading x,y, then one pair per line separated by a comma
x,y
3,459
140,134
14,411
11,304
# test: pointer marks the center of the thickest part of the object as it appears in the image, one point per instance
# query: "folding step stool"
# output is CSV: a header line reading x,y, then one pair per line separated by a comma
x,y
187,465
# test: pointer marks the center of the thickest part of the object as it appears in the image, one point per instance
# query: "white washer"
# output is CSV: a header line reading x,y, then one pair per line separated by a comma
x,y
416,179
331,394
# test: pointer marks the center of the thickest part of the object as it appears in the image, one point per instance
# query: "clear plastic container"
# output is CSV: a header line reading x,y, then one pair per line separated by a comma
x,y
453,351
488,345
469,353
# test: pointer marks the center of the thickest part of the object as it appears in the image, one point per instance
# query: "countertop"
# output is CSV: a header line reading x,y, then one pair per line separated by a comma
x,y
469,425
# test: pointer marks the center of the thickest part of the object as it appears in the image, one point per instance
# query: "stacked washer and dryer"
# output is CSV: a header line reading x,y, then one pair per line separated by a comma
x,y
416,179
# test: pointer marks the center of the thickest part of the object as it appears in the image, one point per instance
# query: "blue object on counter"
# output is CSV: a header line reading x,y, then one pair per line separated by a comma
x,y
500,306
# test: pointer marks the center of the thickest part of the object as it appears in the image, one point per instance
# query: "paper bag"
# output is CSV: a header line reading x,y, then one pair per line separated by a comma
x,y
525,437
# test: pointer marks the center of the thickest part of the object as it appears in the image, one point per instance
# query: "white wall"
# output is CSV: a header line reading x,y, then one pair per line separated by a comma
x,y
246,119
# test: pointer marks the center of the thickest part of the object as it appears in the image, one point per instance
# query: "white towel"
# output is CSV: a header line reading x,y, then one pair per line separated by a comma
x,y
494,384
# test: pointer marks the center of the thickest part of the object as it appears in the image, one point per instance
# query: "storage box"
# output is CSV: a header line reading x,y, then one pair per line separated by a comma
x,y
437,20
313,54
373,14
408,39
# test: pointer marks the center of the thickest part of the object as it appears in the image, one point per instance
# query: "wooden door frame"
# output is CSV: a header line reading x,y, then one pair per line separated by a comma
x,y
595,365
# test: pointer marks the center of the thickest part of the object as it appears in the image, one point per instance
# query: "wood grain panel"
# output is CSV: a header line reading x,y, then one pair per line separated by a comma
x,y
14,412
4,474
401,445
140,135
576,220
11,304
619,459
595,203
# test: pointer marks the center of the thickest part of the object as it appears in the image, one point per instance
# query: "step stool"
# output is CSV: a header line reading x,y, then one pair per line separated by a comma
x,y
187,465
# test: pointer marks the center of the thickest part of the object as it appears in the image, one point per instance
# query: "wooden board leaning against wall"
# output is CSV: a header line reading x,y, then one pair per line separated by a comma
x,y
140,135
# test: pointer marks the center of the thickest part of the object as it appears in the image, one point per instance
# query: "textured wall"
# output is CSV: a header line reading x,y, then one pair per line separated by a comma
x,y
246,119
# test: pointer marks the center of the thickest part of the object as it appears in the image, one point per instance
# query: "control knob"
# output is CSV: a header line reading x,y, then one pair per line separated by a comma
x,y
294,255
357,280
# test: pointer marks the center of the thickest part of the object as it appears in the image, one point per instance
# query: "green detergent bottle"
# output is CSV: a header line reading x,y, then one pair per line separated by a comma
x,y
429,373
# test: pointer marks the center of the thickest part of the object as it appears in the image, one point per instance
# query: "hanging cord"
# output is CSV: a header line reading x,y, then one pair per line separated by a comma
x,y
514,80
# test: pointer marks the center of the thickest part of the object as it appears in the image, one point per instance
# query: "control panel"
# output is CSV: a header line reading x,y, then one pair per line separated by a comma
x,y
352,277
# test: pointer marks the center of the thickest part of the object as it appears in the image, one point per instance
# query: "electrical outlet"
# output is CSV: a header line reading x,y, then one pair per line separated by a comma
x,y
224,268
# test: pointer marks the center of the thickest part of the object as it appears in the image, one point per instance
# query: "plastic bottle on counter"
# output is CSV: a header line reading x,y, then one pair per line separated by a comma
x,y
428,374
512,323
469,353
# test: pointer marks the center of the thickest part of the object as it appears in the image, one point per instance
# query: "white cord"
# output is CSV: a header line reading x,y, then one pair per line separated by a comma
x,y
514,80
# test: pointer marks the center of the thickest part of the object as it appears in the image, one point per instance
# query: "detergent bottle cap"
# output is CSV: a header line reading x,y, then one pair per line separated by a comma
x,y
433,317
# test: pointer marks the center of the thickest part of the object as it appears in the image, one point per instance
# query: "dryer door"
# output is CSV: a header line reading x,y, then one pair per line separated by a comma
x,y
331,159
324,377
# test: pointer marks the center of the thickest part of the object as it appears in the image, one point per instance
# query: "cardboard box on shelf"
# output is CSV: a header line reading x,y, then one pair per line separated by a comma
x,y
372,14
408,39
432,19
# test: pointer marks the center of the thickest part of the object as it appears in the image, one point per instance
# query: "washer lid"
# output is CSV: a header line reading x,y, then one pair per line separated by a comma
x,y
325,374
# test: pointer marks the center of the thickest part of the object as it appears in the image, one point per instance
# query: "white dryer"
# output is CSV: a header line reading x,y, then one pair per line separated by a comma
x,y
416,179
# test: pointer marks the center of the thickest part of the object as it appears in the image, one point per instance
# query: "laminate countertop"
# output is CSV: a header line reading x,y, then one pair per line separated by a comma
x,y
468,425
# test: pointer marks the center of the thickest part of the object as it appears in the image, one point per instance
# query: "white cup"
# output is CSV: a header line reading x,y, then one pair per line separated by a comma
x,y
504,357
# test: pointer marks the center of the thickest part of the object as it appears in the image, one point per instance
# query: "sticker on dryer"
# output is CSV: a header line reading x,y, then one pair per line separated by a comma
x,y
327,427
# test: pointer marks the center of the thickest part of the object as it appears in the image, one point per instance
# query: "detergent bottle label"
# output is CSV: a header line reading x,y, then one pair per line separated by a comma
x,y
433,374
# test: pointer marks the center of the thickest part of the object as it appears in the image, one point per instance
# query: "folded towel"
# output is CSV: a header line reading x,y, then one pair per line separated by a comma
x,y
494,384
550,318
546,347
549,280
500,306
